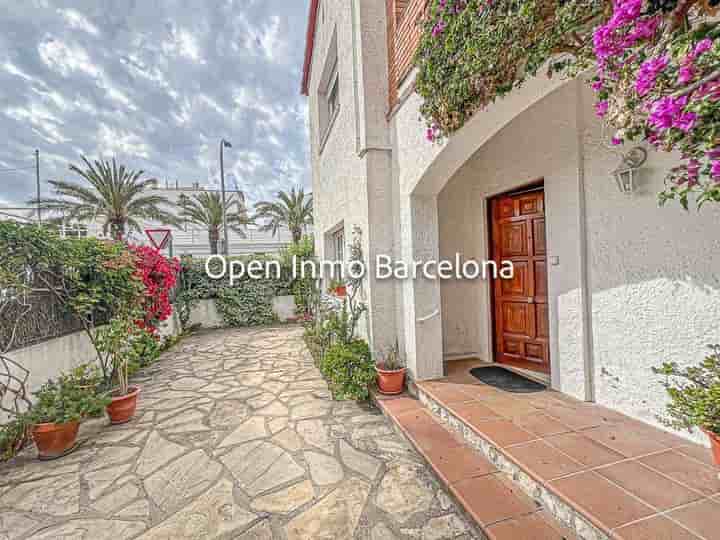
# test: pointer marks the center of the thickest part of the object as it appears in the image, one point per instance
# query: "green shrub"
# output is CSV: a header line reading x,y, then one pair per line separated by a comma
x,y
694,393
13,437
291,259
247,305
349,369
71,397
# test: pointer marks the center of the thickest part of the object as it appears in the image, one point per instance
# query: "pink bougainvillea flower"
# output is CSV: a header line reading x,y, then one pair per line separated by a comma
x,y
715,169
685,121
702,46
439,28
686,73
648,73
616,140
668,112
601,108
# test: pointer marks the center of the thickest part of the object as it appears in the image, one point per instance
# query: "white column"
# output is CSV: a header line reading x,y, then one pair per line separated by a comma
x,y
423,317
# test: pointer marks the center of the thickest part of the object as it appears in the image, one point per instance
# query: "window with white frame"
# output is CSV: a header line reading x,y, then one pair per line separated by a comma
x,y
339,244
329,92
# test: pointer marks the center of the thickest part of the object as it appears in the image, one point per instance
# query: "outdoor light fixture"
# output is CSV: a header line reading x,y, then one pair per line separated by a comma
x,y
626,173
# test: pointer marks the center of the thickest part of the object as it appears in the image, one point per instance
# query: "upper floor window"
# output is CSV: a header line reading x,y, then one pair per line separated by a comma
x,y
329,92
339,244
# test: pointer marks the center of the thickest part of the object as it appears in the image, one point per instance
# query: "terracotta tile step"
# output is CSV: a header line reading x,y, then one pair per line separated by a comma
x,y
600,472
499,508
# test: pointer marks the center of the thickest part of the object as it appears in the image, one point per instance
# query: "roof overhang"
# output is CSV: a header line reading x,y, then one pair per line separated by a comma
x,y
309,46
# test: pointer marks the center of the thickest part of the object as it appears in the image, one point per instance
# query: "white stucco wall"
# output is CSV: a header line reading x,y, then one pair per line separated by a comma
x,y
540,143
652,280
655,281
653,272
351,171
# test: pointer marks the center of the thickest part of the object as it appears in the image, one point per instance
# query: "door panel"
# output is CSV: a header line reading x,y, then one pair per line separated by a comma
x,y
521,312
518,285
517,318
540,276
514,239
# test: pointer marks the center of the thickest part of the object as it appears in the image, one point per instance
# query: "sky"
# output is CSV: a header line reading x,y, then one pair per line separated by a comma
x,y
155,84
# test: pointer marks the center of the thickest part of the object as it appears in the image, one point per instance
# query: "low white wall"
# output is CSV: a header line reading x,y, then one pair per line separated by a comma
x,y
48,359
284,308
206,314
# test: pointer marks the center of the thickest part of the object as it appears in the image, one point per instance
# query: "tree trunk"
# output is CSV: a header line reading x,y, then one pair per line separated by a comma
x,y
213,238
117,230
296,235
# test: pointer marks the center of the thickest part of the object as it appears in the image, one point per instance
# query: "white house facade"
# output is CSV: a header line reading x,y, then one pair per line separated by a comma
x,y
607,284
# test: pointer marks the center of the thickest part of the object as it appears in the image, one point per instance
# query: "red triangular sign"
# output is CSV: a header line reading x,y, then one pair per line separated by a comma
x,y
159,238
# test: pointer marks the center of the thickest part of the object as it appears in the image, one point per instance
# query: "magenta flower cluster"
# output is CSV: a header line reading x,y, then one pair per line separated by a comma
x,y
457,7
648,73
432,133
669,112
637,82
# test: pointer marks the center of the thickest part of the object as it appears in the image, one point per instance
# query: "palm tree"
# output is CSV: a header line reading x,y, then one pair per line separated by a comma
x,y
114,194
206,209
293,210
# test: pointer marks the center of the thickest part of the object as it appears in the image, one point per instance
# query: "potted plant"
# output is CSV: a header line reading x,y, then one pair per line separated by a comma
x,y
391,372
338,288
695,397
116,343
60,405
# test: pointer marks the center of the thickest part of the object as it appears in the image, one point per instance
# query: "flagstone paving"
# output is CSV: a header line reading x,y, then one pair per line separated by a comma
x,y
236,437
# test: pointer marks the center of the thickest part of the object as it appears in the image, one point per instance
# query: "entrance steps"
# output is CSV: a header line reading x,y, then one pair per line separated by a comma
x,y
546,467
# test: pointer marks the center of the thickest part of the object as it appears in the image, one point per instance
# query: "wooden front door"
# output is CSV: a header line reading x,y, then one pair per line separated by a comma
x,y
521,304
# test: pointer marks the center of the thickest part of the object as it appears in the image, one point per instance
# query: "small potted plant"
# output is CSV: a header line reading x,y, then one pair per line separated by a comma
x,y
391,372
695,397
338,288
117,344
59,406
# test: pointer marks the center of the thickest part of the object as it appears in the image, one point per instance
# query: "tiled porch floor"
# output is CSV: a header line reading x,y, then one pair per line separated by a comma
x,y
629,479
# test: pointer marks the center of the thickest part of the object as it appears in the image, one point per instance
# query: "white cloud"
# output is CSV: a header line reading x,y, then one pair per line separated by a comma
x,y
112,141
65,58
267,39
183,43
79,21
44,123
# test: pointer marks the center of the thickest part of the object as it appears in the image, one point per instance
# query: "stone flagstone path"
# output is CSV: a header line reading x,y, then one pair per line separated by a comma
x,y
237,437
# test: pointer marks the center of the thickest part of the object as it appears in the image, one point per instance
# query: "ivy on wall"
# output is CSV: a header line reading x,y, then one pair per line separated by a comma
x,y
474,51
249,301
657,65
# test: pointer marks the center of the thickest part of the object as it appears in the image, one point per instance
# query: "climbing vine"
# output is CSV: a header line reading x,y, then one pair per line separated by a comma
x,y
474,51
658,80
657,70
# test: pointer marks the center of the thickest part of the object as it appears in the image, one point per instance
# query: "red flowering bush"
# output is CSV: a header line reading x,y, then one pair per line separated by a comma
x,y
159,276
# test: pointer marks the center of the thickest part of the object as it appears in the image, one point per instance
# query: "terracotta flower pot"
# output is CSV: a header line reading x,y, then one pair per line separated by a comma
x,y
341,291
122,408
55,440
390,382
715,445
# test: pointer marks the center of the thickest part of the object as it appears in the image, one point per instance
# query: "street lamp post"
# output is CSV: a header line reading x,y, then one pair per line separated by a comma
x,y
224,144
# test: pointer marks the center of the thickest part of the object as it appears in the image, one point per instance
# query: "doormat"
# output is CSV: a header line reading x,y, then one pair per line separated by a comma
x,y
507,380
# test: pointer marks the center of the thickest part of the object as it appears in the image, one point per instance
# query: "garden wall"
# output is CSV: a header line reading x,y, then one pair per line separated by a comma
x,y
48,359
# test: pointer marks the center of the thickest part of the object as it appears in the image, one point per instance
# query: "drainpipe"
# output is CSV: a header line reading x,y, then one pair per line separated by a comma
x,y
356,89
585,294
